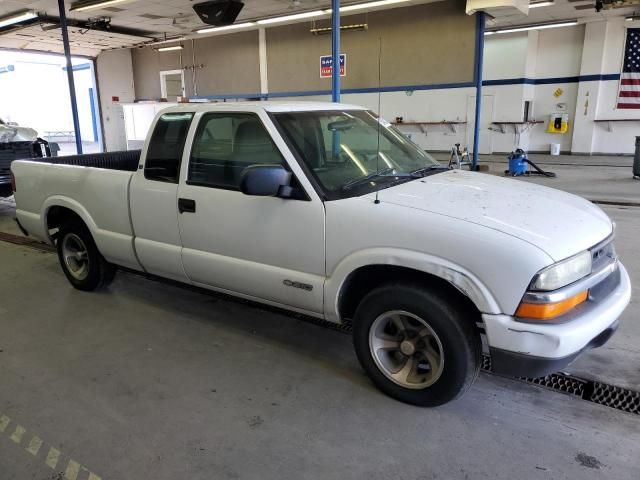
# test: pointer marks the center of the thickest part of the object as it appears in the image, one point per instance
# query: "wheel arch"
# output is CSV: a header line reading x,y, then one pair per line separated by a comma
x,y
58,209
358,274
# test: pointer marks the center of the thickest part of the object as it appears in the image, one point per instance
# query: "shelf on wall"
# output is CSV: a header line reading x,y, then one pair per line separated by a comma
x,y
503,125
425,125
611,121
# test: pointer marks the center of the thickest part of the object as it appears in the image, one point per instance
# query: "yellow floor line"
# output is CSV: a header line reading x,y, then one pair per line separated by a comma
x,y
4,423
52,459
72,471
17,435
34,446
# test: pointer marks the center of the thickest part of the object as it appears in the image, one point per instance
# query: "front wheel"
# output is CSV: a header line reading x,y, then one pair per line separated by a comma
x,y
416,345
83,265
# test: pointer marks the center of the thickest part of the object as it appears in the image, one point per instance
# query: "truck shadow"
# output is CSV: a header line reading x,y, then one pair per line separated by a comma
x,y
297,335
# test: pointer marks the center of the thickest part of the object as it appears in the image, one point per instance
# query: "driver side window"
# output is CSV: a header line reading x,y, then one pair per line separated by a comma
x,y
227,143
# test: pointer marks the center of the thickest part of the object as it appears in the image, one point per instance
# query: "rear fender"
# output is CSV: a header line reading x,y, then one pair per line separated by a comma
x,y
71,204
115,247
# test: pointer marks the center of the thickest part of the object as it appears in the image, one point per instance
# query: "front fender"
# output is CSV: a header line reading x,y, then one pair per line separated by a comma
x,y
459,277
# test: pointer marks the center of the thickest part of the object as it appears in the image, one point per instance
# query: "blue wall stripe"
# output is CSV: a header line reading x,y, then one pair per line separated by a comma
x,y
434,86
548,81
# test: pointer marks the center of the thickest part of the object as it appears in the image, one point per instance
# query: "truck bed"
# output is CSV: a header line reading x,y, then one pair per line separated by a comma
x,y
95,186
125,160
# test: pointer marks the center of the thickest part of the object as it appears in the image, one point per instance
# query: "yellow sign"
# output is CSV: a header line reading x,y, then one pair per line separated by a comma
x,y
558,93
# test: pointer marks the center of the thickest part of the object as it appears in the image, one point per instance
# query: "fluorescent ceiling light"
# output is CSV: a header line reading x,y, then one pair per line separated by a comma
x,y
328,30
83,7
541,4
297,16
17,18
227,27
533,27
168,40
170,49
360,6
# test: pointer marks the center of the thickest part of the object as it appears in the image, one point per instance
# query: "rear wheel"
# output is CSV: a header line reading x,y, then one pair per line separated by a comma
x,y
83,265
416,345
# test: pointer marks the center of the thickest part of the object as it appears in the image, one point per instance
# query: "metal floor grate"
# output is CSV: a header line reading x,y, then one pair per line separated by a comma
x,y
25,241
589,390
615,397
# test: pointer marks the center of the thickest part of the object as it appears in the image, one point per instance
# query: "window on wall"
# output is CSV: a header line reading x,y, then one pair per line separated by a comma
x,y
227,143
166,147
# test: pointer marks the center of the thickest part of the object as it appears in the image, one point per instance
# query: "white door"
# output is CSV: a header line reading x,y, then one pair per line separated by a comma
x,y
266,248
486,117
154,198
172,84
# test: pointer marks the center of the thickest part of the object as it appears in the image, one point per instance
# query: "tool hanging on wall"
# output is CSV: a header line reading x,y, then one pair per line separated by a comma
x,y
519,165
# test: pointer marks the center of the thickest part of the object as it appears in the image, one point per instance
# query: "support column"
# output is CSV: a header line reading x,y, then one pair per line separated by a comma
x,y
480,28
262,51
72,86
335,50
593,53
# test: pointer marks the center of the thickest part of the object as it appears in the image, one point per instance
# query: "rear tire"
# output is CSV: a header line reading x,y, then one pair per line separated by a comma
x,y
83,265
416,345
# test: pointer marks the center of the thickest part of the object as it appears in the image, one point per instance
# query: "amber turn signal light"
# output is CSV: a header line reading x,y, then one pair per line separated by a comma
x,y
549,311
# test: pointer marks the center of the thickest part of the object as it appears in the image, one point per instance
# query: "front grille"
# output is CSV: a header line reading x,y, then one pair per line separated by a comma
x,y
602,254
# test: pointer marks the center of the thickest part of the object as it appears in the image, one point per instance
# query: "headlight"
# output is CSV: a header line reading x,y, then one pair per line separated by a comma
x,y
563,273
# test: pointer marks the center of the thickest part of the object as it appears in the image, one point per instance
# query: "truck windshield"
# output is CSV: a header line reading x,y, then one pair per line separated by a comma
x,y
351,152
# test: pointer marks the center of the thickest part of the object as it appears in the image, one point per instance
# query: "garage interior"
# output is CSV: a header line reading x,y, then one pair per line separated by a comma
x,y
150,378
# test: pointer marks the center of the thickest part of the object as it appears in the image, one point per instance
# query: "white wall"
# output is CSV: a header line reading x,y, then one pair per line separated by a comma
x,y
562,53
115,79
621,138
524,64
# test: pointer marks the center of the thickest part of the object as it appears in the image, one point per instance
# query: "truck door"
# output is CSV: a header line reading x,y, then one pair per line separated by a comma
x,y
265,248
154,193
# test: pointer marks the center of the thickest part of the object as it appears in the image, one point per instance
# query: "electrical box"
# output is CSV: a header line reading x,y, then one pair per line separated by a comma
x,y
558,123
498,8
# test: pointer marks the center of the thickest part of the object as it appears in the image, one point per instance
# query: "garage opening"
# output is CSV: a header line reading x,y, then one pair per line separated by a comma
x,y
34,95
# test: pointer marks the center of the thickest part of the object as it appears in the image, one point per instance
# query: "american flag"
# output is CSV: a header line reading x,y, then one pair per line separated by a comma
x,y
629,95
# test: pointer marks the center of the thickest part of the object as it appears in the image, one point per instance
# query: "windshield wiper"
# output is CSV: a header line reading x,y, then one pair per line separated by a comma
x,y
421,172
382,173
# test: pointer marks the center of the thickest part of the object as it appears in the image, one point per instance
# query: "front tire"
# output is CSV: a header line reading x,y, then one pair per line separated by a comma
x,y
83,265
416,345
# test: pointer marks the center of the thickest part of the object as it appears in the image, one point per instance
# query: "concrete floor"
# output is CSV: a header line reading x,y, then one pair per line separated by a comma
x,y
147,380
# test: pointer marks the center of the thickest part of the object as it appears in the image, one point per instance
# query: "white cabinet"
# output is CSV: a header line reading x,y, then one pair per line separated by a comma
x,y
137,120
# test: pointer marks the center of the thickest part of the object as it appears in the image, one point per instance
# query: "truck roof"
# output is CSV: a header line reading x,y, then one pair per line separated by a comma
x,y
269,106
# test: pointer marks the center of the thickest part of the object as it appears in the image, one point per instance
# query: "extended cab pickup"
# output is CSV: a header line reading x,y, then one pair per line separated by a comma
x,y
326,210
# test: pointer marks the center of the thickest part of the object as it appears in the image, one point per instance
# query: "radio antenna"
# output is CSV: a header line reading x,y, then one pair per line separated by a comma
x,y
377,200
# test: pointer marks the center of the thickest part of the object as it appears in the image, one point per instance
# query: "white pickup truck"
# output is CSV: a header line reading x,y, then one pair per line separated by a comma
x,y
326,210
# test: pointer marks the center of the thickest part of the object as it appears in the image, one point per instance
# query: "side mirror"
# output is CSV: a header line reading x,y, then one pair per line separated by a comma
x,y
266,181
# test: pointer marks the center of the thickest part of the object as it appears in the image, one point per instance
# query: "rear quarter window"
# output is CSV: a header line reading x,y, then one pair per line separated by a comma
x,y
166,147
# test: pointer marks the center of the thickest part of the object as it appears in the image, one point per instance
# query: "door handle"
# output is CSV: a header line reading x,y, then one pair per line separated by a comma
x,y
186,205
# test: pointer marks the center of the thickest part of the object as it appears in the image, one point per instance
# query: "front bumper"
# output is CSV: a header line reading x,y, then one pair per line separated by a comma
x,y
533,349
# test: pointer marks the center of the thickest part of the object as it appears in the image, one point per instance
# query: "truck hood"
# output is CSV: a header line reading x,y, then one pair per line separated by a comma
x,y
559,223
